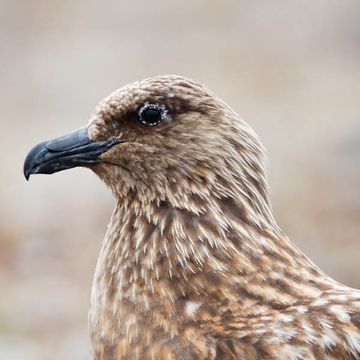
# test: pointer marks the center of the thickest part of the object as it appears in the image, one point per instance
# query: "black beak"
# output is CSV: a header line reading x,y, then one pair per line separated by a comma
x,y
65,152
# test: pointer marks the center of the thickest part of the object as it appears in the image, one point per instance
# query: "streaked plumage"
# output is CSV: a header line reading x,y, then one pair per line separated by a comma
x,y
193,265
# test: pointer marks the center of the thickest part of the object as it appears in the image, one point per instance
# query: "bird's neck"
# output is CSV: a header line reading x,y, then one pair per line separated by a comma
x,y
162,266
158,251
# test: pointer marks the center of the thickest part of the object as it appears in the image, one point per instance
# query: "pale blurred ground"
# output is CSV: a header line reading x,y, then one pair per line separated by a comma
x,y
291,68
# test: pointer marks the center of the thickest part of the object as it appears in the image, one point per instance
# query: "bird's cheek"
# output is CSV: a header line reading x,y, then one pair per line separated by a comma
x,y
113,156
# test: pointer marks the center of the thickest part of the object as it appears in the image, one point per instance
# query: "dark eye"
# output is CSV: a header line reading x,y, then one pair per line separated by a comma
x,y
152,114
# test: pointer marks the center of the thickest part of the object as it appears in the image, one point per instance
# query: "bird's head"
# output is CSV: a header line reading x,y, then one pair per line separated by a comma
x,y
162,139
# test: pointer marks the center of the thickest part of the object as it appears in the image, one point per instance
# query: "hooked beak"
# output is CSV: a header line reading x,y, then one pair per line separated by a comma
x,y
65,152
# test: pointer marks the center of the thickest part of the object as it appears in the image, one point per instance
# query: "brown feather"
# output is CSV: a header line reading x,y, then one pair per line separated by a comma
x,y
193,265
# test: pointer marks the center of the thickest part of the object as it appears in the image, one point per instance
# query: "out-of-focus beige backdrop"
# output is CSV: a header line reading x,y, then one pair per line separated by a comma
x,y
290,68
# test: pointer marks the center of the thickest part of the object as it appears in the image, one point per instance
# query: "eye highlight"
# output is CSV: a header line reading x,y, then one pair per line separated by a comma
x,y
152,114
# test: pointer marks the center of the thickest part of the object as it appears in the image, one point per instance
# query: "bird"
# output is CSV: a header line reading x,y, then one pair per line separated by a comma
x,y
193,264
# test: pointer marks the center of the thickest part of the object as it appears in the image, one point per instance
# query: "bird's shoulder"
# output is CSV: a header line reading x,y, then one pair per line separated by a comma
x,y
317,330
325,328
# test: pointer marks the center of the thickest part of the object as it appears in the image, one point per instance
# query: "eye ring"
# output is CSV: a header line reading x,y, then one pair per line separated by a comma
x,y
152,114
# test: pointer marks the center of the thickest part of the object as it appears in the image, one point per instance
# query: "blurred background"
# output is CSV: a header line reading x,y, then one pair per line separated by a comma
x,y
290,68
